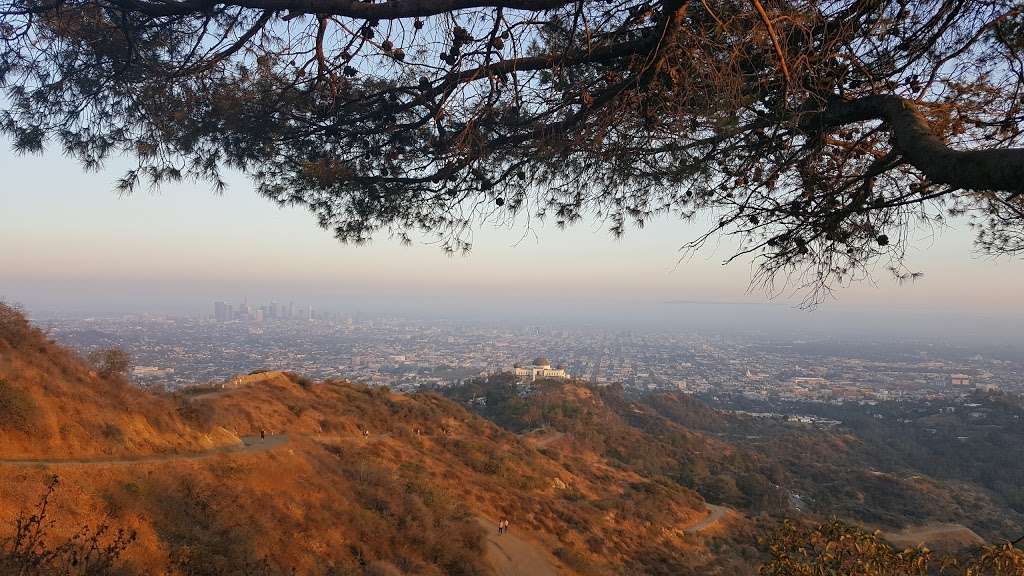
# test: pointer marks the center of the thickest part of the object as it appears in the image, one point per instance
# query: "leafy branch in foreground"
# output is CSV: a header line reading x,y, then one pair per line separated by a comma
x,y
838,548
820,134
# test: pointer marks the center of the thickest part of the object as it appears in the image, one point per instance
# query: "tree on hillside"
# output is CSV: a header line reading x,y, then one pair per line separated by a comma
x,y
837,548
111,362
819,133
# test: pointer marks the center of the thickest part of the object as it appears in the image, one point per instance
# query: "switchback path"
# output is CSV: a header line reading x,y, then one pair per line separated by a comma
x,y
248,444
511,555
715,514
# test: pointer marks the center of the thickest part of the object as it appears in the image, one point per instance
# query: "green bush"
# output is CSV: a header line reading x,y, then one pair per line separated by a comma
x,y
18,410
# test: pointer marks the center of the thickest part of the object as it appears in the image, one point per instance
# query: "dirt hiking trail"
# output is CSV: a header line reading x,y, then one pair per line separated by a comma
x,y
248,444
511,555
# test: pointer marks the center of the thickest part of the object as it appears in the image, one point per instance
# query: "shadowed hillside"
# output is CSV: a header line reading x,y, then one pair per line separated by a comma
x,y
629,433
756,465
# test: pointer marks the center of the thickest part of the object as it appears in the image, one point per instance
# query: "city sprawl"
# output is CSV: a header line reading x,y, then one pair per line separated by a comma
x,y
408,354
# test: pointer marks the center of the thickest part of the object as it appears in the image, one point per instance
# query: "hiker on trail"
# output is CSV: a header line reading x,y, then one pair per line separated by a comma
x,y
366,433
504,526
263,434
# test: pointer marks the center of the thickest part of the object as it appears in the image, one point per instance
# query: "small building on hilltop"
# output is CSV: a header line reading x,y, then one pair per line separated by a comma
x,y
540,368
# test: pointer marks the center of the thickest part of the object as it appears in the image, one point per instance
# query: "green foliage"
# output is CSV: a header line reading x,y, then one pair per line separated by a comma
x,y
824,144
895,463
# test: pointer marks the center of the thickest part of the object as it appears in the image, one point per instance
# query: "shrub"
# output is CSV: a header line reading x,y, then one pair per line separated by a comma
x,y
303,382
18,410
112,431
574,560
112,362
838,548
14,328
198,413
31,552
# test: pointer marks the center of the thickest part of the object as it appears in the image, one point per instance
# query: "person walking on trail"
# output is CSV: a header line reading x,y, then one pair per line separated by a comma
x,y
505,526
263,434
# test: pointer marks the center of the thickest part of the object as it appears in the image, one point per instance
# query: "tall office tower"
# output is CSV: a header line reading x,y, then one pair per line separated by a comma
x,y
221,311
275,311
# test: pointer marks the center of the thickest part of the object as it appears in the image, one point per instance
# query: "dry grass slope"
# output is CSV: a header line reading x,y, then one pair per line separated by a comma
x,y
404,500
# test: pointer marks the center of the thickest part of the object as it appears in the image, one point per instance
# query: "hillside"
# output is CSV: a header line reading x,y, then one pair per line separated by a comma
x,y
755,465
54,405
869,470
603,422
416,493
275,474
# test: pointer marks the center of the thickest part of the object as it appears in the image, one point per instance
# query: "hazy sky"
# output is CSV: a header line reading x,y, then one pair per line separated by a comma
x,y
71,244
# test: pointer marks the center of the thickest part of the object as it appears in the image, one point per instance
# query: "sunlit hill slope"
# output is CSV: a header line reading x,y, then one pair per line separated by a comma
x,y
349,480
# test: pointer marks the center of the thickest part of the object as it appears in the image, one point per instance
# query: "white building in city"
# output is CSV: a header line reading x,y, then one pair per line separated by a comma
x,y
539,368
959,380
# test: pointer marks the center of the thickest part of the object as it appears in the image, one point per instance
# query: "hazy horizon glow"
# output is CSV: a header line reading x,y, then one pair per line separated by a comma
x,y
71,244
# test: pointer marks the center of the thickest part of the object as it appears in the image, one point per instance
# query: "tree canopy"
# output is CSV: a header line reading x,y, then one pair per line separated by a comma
x,y
837,548
820,134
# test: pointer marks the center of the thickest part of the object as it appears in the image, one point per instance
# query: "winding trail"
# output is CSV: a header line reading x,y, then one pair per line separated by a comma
x,y
511,555
248,444
548,439
715,515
